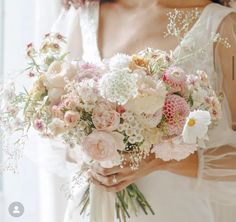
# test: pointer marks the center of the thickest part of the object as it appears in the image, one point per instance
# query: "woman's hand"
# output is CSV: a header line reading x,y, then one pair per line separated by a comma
x,y
75,3
104,177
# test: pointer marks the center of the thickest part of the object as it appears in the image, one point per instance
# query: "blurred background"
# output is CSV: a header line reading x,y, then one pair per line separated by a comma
x,y
22,22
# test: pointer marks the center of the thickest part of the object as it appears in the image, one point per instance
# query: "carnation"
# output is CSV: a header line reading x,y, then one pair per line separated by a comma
x,y
119,86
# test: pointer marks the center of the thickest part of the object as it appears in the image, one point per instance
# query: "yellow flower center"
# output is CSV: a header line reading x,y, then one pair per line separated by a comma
x,y
191,122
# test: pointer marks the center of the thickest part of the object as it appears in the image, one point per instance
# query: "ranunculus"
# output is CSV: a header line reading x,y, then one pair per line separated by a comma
x,y
102,146
105,118
57,126
71,118
150,99
138,62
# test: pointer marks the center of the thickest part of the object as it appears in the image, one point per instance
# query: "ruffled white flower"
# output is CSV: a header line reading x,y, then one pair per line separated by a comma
x,y
151,97
196,127
119,86
119,61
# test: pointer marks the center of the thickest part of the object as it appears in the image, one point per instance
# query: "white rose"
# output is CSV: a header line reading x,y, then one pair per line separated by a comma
x,y
57,126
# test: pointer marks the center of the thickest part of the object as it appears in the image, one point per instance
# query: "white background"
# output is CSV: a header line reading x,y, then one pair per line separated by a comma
x,y
26,21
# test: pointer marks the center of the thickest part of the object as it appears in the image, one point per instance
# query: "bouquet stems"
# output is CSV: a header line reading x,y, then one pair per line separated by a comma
x,y
128,201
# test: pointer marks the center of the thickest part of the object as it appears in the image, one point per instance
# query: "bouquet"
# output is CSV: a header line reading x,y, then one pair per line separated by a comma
x,y
128,105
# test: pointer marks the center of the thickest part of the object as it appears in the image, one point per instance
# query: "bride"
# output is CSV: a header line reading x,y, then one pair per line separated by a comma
x,y
178,191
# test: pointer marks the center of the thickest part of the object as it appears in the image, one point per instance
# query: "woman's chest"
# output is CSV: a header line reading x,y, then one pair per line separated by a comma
x,y
132,33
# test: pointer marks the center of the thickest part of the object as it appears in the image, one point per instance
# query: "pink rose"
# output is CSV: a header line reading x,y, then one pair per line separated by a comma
x,y
103,146
71,118
105,118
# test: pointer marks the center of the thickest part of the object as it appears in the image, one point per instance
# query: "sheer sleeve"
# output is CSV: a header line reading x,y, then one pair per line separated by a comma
x,y
217,163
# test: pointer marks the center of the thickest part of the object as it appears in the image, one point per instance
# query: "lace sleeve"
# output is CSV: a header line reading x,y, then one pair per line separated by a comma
x,y
217,164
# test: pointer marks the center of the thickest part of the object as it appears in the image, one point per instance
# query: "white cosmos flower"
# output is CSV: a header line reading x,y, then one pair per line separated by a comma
x,y
196,126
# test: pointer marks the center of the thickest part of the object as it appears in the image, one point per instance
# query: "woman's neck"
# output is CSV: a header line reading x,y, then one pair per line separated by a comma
x,y
166,3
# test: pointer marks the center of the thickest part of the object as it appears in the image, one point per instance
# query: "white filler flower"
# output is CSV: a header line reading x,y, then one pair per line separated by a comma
x,y
119,86
119,61
196,126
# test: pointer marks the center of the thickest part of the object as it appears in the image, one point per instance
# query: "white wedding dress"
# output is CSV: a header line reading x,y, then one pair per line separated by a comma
x,y
173,197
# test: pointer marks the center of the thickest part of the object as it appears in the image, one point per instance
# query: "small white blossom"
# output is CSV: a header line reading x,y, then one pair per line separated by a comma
x,y
119,86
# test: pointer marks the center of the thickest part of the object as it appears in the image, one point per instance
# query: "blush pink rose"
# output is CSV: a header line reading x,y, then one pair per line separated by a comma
x,y
71,118
105,118
103,146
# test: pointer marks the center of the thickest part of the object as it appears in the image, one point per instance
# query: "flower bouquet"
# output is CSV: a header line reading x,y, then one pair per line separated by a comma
x,y
126,106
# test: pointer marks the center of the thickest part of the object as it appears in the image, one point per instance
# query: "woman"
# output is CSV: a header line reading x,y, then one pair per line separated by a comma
x,y
178,191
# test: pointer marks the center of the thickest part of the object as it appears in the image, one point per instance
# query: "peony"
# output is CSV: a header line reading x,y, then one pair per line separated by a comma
x,y
57,126
71,118
119,61
104,118
196,126
103,146
150,98
173,149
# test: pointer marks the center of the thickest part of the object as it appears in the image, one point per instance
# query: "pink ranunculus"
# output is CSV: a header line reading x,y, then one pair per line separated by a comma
x,y
71,118
102,146
105,118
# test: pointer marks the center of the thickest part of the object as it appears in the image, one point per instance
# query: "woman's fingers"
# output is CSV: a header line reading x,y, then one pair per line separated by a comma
x,y
106,171
114,188
106,180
